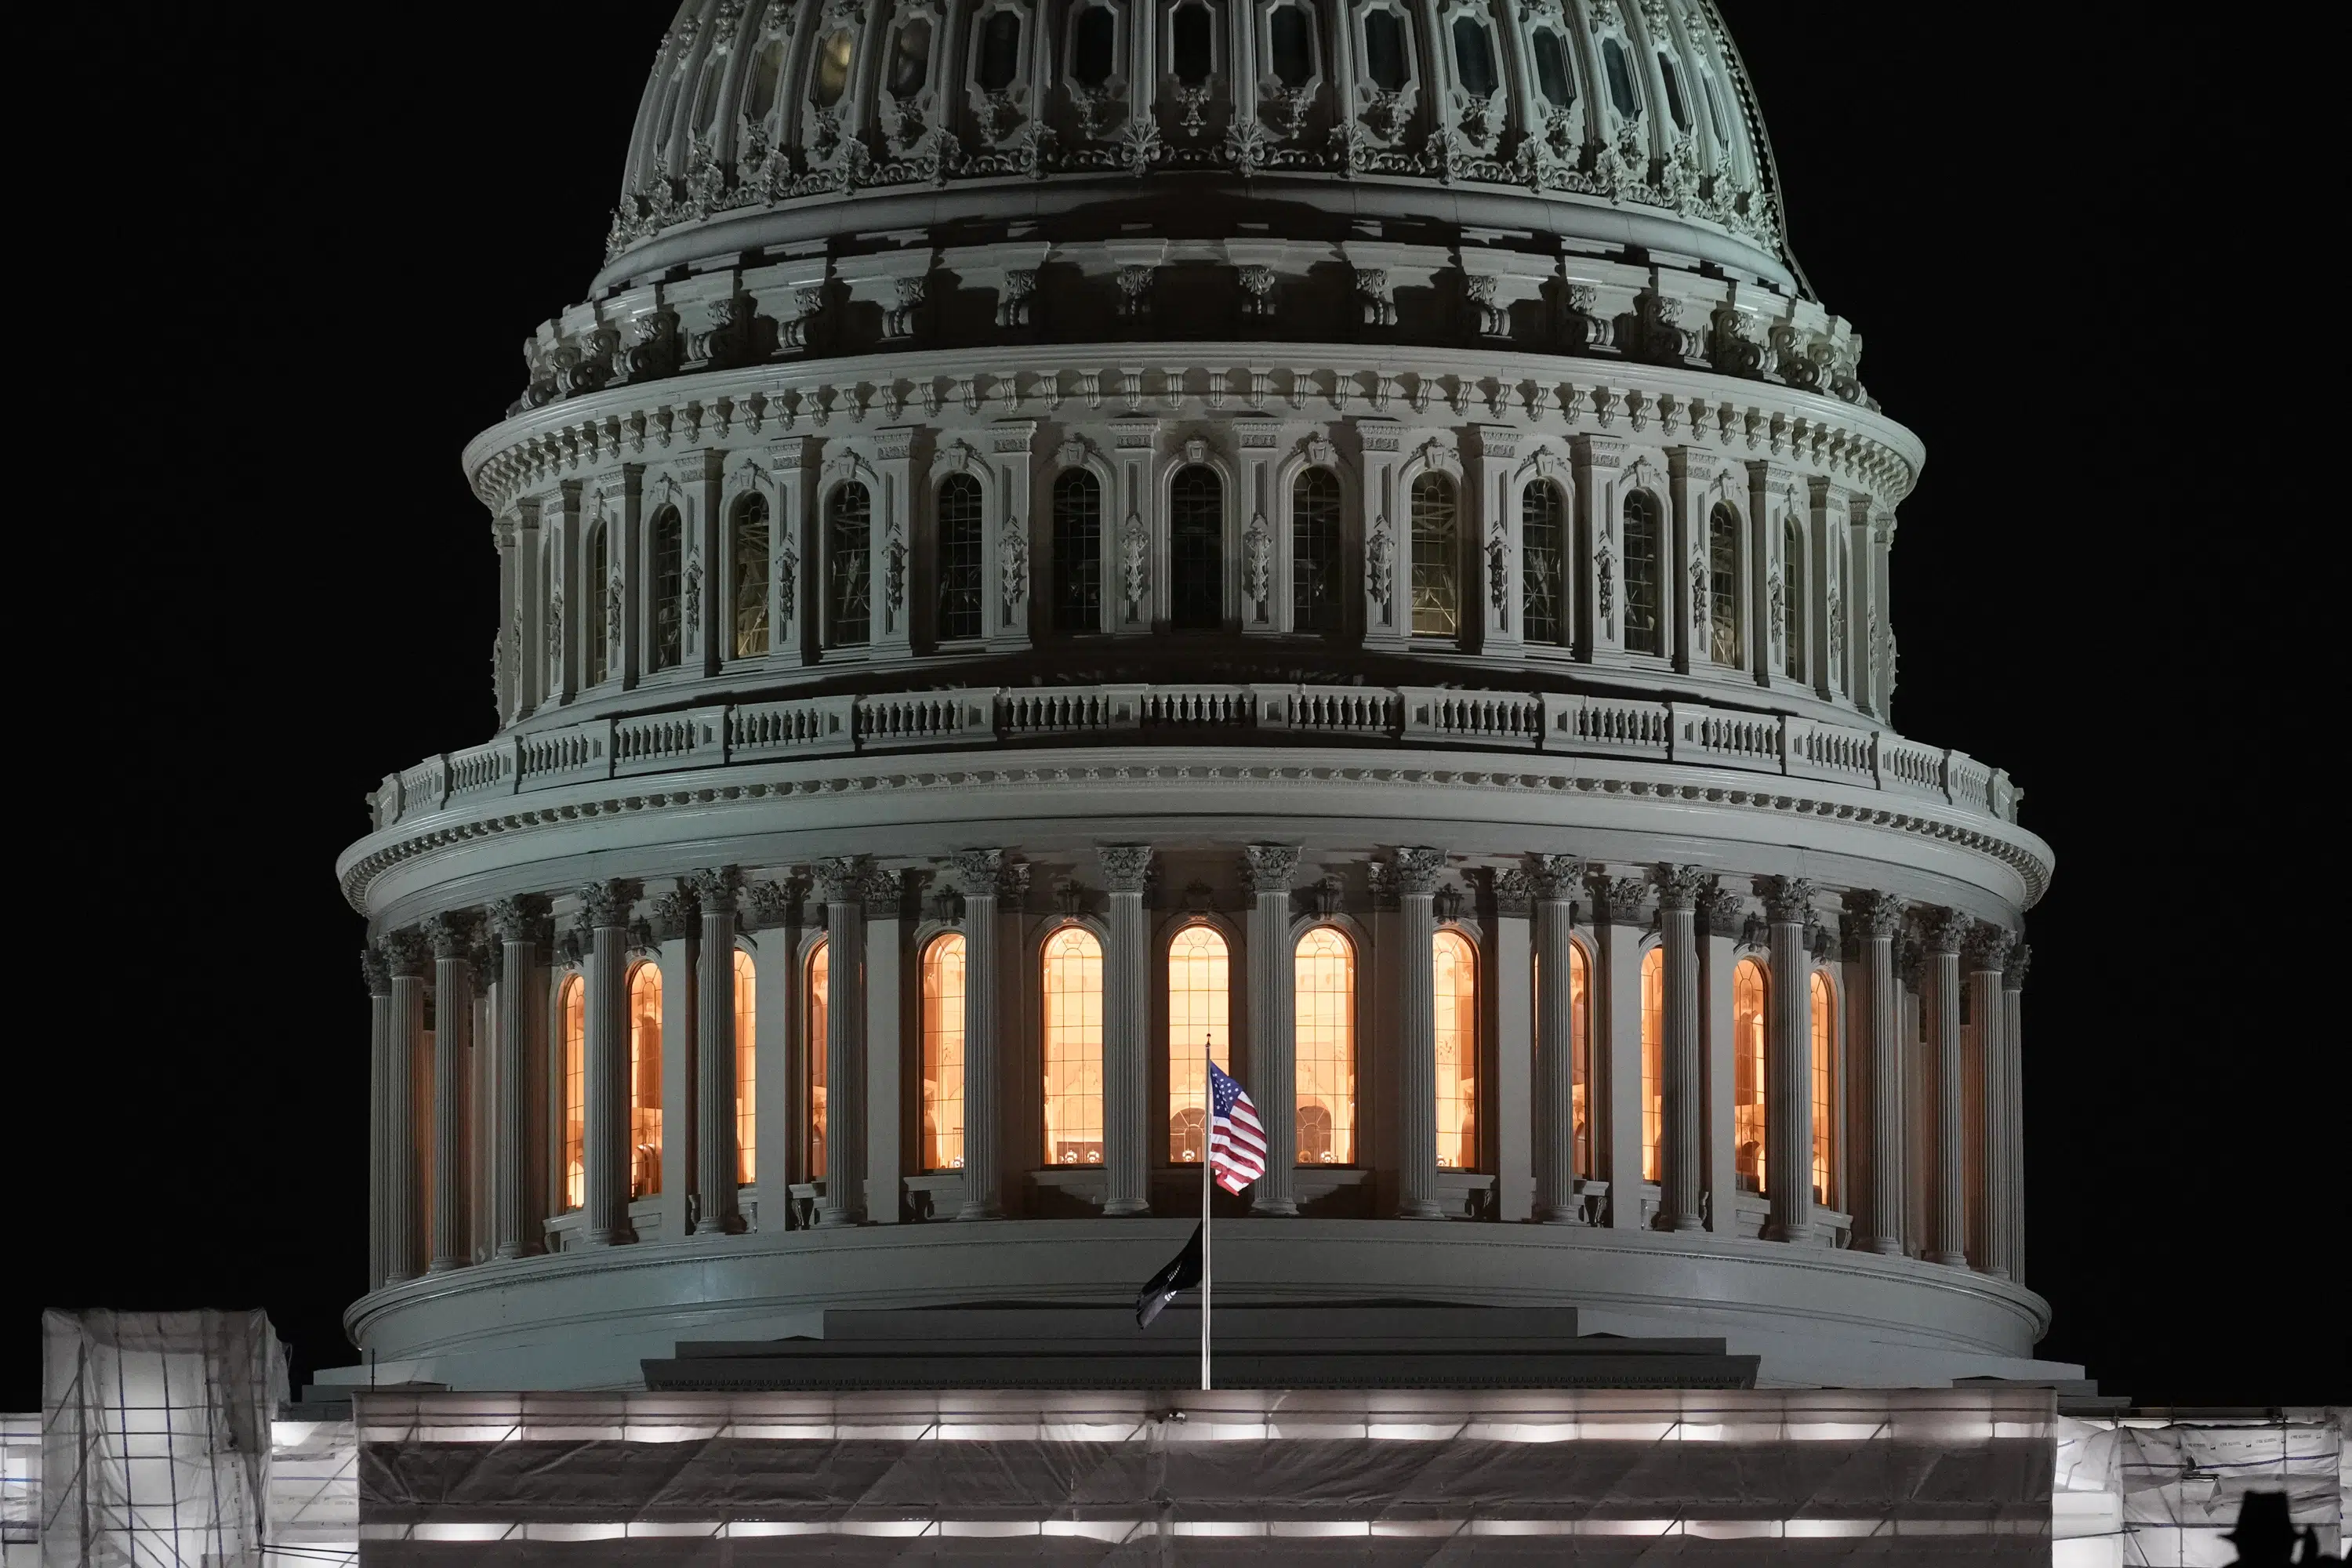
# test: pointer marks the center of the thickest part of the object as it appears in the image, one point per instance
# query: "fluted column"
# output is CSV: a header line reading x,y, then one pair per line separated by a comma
x,y
519,925
1918,1094
605,1154
979,874
841,884
1947,1200
1413,875
1554,879
404,1028
1878,1220
453,992
375,969
1788,1060
1722,918
1680,1127
1615,1106
2012,1044
715,893
1267,869
1127,1033
1987,951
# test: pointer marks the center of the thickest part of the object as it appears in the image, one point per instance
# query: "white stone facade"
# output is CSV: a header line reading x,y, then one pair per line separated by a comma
x,y
1024,538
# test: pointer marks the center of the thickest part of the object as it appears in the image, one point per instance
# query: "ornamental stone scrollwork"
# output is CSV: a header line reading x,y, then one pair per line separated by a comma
x,y
450,936
1699,598
406,952
1513,891
1374,294
1874,915
894,568
1679,887
1379,563
606,906
1135,569
1721,911
2012,977
1126,867
1989,946
1604,581
616,601
882,892
1013,572
692,594
523,917
1413,870
1776,605
839,879
1257,563
1555,877
675,915
719,889
773,905
1268,867
1788,901
788,566
1498,566
1618,900
375,970
1257,291
1947,931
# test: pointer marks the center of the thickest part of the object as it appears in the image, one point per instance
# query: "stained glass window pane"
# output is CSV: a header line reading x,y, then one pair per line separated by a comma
x,y
747,1068
1199,1019
1073,998
645,1080
1543,563
814,1029
1077,551
849,596
571,1005
959,558
1653,1030
1315,602
943,961
1748,1078
669,588
1324,994
1436,559
1824,1052
1196,549
748,570
1455,976
1723,586
1646,628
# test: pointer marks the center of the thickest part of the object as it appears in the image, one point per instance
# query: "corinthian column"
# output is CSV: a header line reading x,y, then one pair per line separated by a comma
x,y
1946,1202
1273,1022
1878,1226
1680,1127
376,971
715,894
1554,879
2012,1077
1127,1033
1789,1052
605,1154
1412,875
520,926
1987,951
453,991
841,883
980,874
404,1025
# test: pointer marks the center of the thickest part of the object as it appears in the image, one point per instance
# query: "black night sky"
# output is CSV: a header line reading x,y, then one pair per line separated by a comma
x,y
273,268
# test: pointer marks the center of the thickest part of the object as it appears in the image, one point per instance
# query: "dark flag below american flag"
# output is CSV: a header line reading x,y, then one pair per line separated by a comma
x,y
1236,1137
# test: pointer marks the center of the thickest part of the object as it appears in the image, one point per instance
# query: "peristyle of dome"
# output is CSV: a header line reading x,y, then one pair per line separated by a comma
x,y
1070,536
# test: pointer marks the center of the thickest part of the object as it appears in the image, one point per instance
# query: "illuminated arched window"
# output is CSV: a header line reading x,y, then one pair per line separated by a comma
x,y
668,588
959,556
1199,1012
747,1068
1646,619
849,580
1747,1003
1077,551
1723,586
747,546
1073,997
942,1109
1455,977
645,1080
1824,1052
572,1007
814,1029
1543,563
1316,604
1793,555
1324,994
594,578
1580,1034
1436,557
1653,1036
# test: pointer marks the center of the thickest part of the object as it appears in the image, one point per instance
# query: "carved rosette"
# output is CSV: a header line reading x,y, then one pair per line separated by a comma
x,y
1788,901
1268,867
1126,867
1618,900
1871,915
1679,887
1413,870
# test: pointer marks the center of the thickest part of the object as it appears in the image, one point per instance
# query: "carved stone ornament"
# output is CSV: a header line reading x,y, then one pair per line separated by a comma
x,y
771,904
1379,564
1414,871
1012,573
1680,886
405,950
1604,581
1268,867
1555,877
693,594
375,970
1618,900
718,889
1721,911
1514,891
522,917
1126,867
1947,931
606,906
676,915
882,892
838,878
1257,562
2012,978
1874,916
1788,901
978,873
1989,946
1135,569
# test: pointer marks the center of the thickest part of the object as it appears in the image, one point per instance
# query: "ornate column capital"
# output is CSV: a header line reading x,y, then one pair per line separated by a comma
x,y
375,969
1989,946
1947,931
2020,959
406,952
450,936
1721,911
1514,890
774,903
1679,887
522,917
1618,900
484,965
1555,877
1414,871
839,878
676,914
1126,867
1788,901
1268,867
1911,962
881,891
718,889
606,905
1870,914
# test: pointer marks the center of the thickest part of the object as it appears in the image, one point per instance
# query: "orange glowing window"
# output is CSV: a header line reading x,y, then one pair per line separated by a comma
x,y
1324,992
1824,1046
1199,1025
1747,1003
1654,1035
572,1007
1580,1035
1073,997
944,1054
1455,978
812,1036
747,1068
645,1080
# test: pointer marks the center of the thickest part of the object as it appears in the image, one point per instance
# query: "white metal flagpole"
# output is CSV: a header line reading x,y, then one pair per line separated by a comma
x,y
1205,1253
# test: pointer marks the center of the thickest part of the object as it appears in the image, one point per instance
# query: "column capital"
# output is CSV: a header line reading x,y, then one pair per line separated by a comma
x,y
484,963
1268,867
1555,877
1126,867
450,936
1870,914
1414,871
1515,892
375,969
1910,963
522,917
1679,887
774,903
1618,900
604,906
676,914
1788,901
1945,931
1989,946
881,891
717,889
2020,959
1721,911
839,878
406,952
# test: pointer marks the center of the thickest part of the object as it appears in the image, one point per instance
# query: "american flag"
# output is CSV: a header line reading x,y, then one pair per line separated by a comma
x,y
1236,1137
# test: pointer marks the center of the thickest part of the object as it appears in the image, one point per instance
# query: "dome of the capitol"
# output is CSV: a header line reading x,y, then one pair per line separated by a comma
x,y
1068,540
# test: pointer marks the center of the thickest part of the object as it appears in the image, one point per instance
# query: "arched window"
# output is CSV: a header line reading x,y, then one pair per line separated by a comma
x,y
1723,584
1000,50
747,566
645,1080
669,588
1824,1051
849,584
1543,563
1077,551
1793,555
1385,60
815,1024
1455,976
1196,548
598,575
1323,978
1552,77
1199,1014
910,59
832,77
1315,574
1094,40
942,1147
1653,1036
1073,997
747,1068
960,562
572,1007
1645,622
1747,1081
1436,556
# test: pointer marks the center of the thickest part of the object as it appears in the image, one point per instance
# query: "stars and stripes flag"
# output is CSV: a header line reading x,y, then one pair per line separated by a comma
x,y
1236,1137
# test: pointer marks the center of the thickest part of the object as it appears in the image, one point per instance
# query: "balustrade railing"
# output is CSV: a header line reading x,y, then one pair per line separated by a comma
x,y
1682,732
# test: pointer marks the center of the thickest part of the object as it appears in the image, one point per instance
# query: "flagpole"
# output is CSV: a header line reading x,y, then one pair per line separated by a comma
x,y
1206,1254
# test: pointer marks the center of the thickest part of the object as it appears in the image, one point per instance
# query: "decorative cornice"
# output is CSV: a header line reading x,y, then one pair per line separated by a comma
x,y
1126,867
1788,901
1268,867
